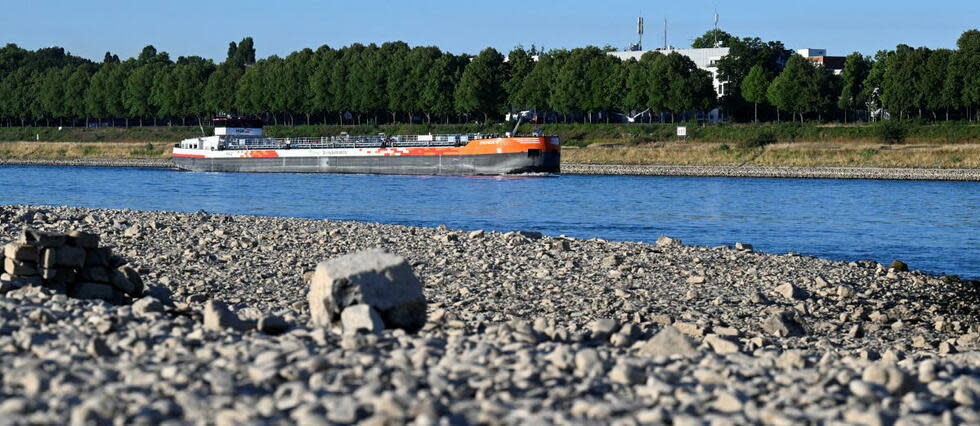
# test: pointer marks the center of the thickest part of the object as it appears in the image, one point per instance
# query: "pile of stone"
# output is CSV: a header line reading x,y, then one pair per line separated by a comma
x,y
368,291
69,263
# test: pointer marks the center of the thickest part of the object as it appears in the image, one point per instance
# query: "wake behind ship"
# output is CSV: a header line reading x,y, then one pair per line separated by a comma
x,y
239,145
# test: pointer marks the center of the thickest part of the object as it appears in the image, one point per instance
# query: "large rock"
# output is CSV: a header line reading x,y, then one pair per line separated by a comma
x,y
43,239
127,280
16,267
83,239
69,256
375,278
665,241
217,317
95,291
21,251
361,318
782,324
667,342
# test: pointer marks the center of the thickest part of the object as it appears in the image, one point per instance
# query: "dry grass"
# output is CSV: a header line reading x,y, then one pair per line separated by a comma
x,y
73,150
810,154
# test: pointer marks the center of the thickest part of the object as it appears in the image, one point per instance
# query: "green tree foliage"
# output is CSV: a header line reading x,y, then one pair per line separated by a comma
x,y
801,88
900,85
241,54
744,54
480,89
967,66
853,94
535,92
397,82
75,88
521,65
755,88
634,81
572,88
689,88
714,38
932,83
439,85
221,88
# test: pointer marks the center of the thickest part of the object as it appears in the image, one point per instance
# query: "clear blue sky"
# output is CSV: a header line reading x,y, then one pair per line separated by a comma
x,y
90,27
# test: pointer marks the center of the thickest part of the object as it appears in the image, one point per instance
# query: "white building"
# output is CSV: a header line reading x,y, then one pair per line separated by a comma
x,y
706,59
811,53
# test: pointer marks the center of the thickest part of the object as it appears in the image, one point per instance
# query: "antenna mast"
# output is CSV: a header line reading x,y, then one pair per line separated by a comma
x,y
716,28
639,30
665,34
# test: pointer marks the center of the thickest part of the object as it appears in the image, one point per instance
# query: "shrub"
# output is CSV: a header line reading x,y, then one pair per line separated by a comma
x,y
868,153
760,140
892,131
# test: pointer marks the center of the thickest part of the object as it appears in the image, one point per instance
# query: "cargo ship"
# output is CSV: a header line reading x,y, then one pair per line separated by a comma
x,y
239,145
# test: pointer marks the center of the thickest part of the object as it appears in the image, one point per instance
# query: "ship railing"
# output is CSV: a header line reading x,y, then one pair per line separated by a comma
x,y
345,141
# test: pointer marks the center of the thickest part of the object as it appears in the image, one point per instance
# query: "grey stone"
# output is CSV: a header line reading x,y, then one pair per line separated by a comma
x,y
127,280
49,258
85,290
73,257
374,278
273,325
728,402
668,342
147,306
43,239
588,363
217,317
790,291
84,240
889,376
665,241
720,344
16,267
97,257
96,274
781,324
361,318
627,373
98,348
21,251
602,328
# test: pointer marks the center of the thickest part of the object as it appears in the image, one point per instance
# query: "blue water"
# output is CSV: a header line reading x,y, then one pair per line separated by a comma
x,y
933,226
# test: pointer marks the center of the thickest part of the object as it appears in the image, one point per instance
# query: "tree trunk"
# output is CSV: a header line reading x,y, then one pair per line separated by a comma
x,y
756,119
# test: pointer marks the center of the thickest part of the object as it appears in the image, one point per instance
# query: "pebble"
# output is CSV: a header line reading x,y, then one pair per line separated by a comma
x,y
499,344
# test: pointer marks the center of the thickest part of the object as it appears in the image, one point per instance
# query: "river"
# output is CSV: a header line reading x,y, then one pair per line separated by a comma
x,y
932,226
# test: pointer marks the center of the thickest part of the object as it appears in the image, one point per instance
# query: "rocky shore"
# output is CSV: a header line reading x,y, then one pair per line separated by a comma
x,y
519,329
91,162
875,173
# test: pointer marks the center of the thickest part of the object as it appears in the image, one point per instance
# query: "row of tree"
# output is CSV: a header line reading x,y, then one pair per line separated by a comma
x,y
395,82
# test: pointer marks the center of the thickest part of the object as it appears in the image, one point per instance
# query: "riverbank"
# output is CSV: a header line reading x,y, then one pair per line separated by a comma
x,y
577,134
796,154
967,175
521,329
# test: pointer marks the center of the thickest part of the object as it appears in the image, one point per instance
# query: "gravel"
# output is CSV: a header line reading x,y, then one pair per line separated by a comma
x,y
92,162
519,329
877,173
